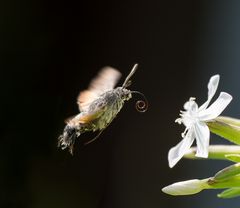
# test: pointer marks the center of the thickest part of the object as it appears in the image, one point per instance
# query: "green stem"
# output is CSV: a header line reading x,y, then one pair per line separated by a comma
x,y
215,152
233,182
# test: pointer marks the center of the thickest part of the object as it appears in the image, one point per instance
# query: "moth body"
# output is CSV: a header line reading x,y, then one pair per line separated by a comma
x,y
98,106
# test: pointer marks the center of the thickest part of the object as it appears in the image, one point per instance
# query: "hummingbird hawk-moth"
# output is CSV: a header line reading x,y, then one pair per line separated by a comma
x,y
99,105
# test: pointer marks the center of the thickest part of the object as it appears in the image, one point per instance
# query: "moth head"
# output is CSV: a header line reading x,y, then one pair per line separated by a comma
x,y
125,94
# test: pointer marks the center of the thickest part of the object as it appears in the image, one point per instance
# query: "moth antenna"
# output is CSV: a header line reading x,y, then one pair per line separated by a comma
x,y
141,105
127,80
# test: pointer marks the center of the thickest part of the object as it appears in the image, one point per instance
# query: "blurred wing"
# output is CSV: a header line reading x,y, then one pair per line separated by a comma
x,y
85,98
106,80
90,117
67,120
85,118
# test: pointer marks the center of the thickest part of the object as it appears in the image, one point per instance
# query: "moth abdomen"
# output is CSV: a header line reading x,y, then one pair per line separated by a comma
x,y
68,138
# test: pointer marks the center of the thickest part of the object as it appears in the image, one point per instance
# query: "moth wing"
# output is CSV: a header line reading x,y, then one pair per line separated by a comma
x,y
66,121
106,80
85,117
85,98
90,117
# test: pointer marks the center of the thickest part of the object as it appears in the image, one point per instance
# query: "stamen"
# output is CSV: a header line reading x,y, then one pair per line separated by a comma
x,y
178,120
184,133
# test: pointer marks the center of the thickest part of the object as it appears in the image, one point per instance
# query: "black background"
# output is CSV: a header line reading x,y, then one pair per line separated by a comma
x,y
50,50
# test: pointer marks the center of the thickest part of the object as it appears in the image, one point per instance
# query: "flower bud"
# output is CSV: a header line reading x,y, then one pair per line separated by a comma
x,y
185,187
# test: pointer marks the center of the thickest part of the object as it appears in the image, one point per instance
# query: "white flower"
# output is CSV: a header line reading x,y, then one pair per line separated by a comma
x,y
185,187
195,118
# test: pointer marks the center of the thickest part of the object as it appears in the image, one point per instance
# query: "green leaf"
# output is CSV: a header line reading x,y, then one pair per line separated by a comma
x,y
226,127
227,172
229,193
233,157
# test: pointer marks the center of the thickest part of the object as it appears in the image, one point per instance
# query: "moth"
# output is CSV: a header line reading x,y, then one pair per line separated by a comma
x,y
99,105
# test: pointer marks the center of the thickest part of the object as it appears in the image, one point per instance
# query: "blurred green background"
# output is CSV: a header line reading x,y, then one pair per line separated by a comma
x,y
50,50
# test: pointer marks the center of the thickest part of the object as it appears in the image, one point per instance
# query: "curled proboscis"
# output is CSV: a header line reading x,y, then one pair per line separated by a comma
x,y
141,106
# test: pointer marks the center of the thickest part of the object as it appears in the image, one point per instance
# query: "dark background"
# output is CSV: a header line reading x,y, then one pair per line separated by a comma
x,y
50,50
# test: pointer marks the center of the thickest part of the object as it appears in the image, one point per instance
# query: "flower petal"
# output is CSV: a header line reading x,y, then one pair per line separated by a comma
x,y
177,152
202,135
216,108
212,88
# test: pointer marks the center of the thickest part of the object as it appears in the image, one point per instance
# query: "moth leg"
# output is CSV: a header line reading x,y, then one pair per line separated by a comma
x,y
94,138
98,133
71,148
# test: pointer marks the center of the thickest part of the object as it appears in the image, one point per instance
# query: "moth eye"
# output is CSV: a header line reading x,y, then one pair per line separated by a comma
x,y
124,96
129,95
